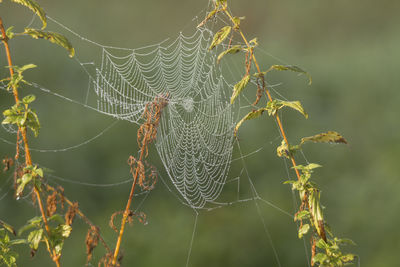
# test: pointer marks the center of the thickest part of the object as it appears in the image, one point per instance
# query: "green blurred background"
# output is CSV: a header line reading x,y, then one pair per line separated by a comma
x,y
351,48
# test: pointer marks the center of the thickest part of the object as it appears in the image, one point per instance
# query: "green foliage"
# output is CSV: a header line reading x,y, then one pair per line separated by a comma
x,y
251,115
237,89
31,174
53,37
333,255
17,78
23,116
220,36
7,255
274,105
233,50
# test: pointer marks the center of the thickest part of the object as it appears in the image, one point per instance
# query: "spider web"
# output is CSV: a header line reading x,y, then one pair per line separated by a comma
x,y
195,138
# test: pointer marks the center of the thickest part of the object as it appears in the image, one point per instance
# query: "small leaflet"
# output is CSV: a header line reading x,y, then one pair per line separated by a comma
x,y
237,89
233,50
251,115
220,36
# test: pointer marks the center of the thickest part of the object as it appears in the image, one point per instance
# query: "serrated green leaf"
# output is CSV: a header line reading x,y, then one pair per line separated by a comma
x,y
294,105
302,215
233,50
35,7
328,137
28,99
53,37
291,68
8,227
220,36
304,230
34,238
237,89
251,115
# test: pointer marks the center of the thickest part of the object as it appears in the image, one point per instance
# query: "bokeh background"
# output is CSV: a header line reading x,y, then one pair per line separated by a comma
x,y
351,48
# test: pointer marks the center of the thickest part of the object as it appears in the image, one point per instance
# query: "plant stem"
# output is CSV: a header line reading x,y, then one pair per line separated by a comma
x,y
278,120
128,205
28,159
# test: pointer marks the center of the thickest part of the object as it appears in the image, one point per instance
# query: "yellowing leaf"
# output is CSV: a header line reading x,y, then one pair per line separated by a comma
x,y
233,50
239,87
294,105
32,5
328,137
275,105
251,115
53,37
220,36
291,68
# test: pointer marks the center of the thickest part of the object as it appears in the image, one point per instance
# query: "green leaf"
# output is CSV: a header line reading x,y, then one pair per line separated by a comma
x,y
53,37
328,137
18,241
283,150
32,223
24,68
9,32
348,257
237,89
233,50
320,258
322,244
220,36
302,215
304,230
291,68
294,105
56,218
251,115
26,178
34,238
8,227
32,5
28,99
308,167
236,22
